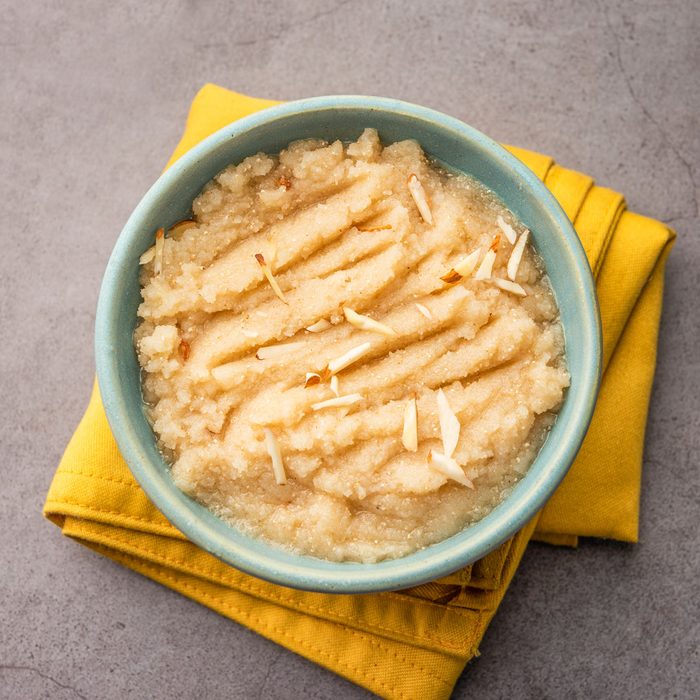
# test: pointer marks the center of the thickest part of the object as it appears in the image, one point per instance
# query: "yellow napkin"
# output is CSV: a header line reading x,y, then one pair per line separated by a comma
x,y
414,643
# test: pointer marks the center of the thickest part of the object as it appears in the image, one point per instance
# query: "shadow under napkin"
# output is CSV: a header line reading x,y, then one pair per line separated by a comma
x,y
413,643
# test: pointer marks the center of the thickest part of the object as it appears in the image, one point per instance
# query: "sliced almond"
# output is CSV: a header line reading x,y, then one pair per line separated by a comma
x,y
273,449
270,352
347,400
159,250
425,311
409,437
319,326
270,277
449,468
508,286
507,229
486,268
452,277
467,264
249,334
335,385
415,187
312,378
148,256
463,268
366,323
449,424
352,355
517,255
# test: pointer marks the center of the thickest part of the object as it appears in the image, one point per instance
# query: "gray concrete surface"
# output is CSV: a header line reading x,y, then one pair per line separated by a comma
x,y
93,99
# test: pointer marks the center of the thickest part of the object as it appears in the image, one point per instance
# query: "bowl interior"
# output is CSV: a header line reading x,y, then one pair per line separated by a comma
x,y
460,148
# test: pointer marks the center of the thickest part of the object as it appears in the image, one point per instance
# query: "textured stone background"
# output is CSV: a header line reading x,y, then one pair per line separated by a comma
x,y
93,99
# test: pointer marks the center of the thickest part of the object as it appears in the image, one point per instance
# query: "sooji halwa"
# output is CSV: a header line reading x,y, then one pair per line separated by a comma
x,y
348,351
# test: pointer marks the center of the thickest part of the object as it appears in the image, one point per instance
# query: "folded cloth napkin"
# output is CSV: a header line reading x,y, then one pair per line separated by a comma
x,y
413,643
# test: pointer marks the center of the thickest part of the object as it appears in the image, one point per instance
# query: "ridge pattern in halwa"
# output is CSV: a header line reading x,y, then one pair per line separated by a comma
x,y
281,252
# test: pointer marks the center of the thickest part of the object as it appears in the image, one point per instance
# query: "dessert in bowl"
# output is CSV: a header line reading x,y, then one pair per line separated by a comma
x,y
356,328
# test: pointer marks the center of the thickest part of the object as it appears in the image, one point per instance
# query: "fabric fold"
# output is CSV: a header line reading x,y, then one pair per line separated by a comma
x,y
413,643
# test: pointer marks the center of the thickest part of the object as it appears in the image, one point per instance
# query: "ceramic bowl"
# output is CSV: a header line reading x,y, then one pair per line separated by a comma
x,y
459,147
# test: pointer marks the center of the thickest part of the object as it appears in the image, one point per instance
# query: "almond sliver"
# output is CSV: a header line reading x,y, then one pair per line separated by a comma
x,y
270,277
319,326
147,256
347,400
273,449
366,323
159,252
507,229
311,379
451,277
415,187
517,255
352,355
486,268
467,264
271,351
448,467
449,424
508,286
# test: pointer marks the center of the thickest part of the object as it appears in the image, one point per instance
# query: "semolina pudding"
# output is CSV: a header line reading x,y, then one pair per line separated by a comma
x,y
348,351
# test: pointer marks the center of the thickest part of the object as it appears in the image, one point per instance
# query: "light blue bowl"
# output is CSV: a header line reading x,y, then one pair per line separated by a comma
x,y
461,148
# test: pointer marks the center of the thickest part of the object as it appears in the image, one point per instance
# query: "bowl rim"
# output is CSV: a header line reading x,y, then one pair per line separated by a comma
x,y
478,539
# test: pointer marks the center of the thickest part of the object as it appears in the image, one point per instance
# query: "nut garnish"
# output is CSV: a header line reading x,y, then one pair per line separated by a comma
x,y
352,355
271,351
448,467
486,268
449,424
463,268
508,286
452,277
249,334
415,187
467,264
270,277
347,400
184,349
507,229
409,437
366,323
335,385
517,255
319,326
159,249
312,378
273,449
425,311
147,256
